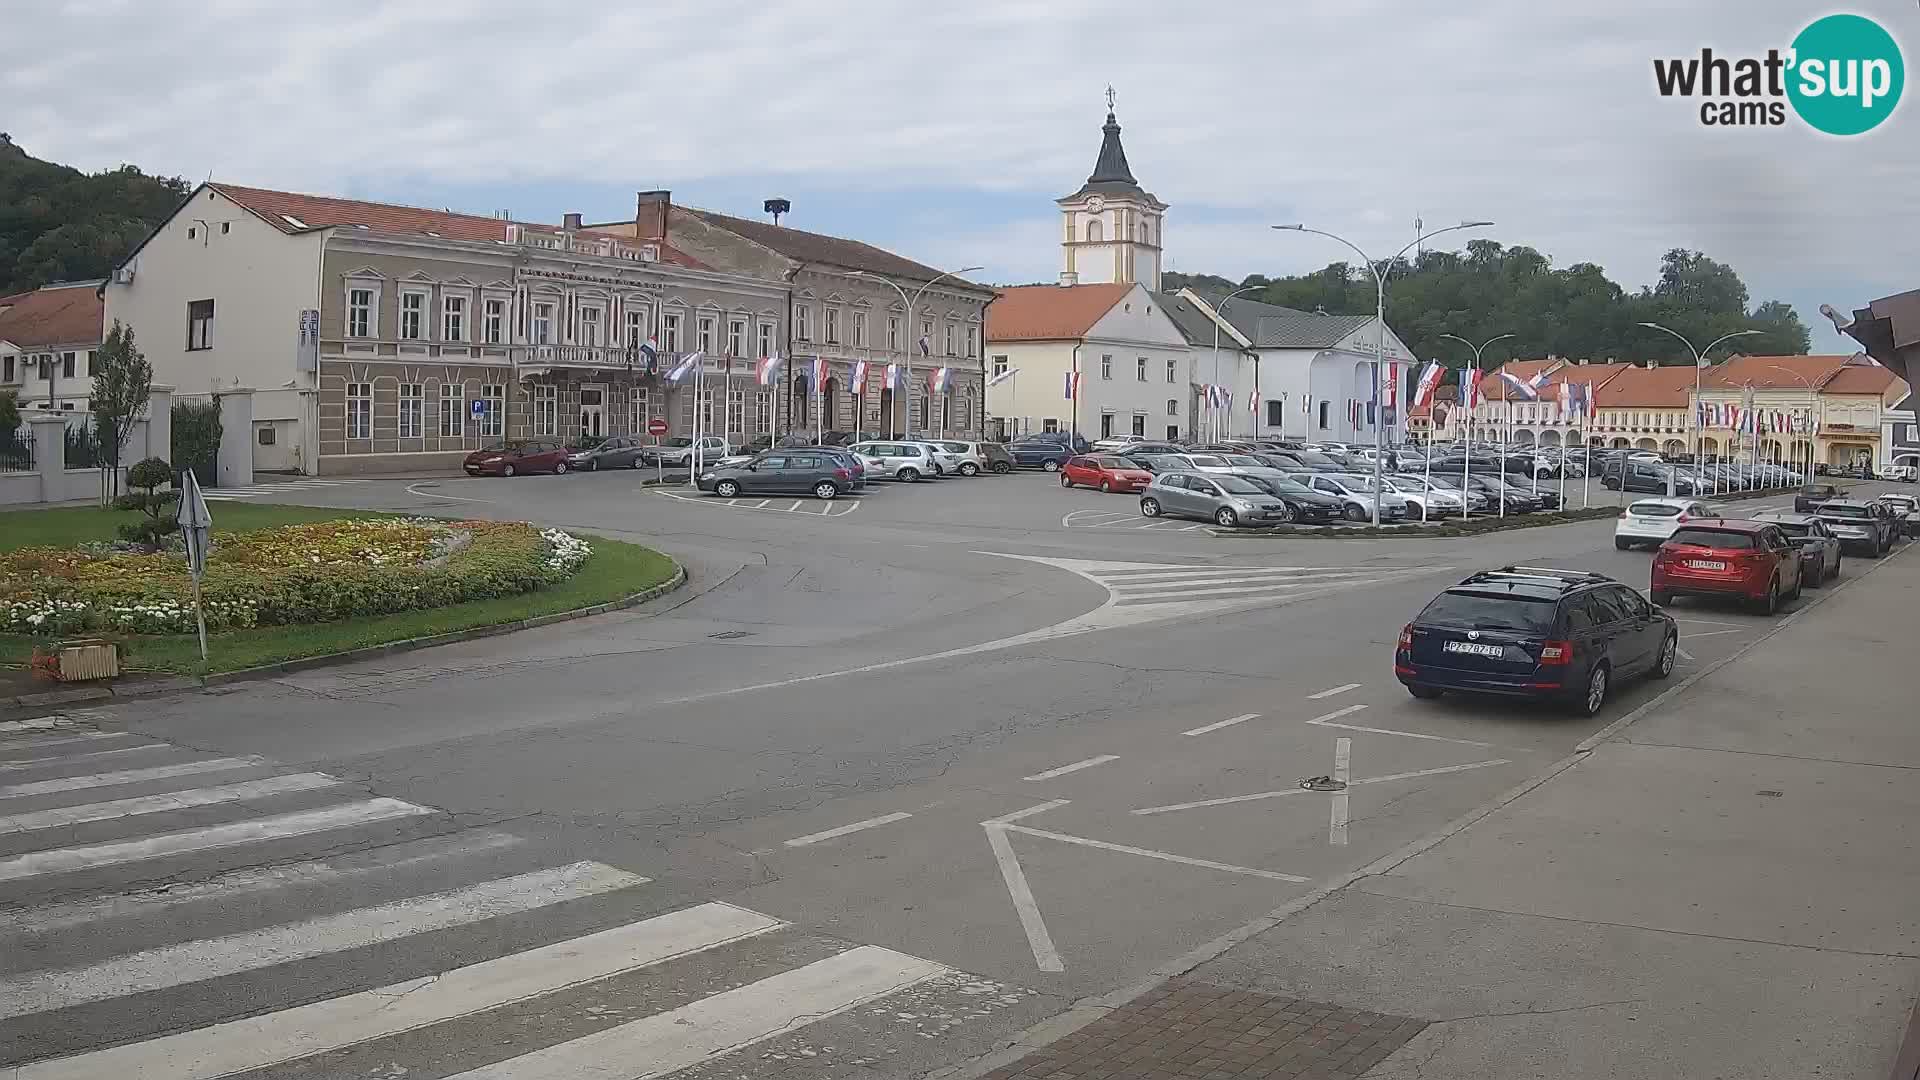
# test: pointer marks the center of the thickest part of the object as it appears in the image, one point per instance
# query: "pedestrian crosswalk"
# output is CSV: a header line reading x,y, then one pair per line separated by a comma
x,y
196,916
285,487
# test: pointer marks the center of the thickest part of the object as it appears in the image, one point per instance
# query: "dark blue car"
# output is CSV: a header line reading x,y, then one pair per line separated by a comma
x,y
1045,454
1528,631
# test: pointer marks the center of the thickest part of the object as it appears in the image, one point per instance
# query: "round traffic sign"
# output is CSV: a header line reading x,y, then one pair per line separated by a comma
x,y
657,426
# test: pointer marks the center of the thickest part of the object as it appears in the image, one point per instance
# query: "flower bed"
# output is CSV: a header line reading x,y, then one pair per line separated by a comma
x,y
295,574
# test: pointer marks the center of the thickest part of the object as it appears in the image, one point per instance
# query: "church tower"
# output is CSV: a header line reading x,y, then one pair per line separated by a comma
x,y
1112,226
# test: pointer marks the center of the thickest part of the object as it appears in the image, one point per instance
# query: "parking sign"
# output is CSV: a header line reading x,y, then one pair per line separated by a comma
x,y
479,408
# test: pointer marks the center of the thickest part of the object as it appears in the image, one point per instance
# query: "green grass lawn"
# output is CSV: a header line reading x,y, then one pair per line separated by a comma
x,y
615,570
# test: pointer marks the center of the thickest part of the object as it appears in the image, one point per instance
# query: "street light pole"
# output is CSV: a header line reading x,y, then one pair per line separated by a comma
x,y
1699,363
1220,313
1466,472
908,319
1802,380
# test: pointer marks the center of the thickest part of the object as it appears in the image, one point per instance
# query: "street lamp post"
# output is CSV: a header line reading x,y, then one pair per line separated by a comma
x,y
1699,363
1219,313
1802,380
908,319
1380,324
1466,471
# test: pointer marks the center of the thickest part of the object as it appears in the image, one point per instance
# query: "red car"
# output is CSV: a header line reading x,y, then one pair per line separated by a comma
x,y
1752,560
513,458
1106,472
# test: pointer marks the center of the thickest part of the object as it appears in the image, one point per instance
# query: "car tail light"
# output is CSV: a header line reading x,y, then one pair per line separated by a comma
x,y
1624,515
1406,636
842,474
1556,652
1682,519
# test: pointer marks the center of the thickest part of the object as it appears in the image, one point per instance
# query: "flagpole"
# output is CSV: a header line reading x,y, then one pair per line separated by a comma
x,y
693,458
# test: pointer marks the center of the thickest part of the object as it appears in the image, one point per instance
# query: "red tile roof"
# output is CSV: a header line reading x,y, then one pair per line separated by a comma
x,y
56,315
812,247
1647,388
1771,372
1860,379
1050,312
323,211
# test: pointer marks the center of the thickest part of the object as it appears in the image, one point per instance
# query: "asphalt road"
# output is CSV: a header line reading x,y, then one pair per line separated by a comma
x,y
891,780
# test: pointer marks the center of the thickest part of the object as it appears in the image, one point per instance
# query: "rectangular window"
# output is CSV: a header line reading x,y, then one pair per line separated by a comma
x,y
1173,432
1172,367
1323,413
736,337
860,329
1140,369
766,339
833,326
1140,424
413,407
973,341
1106,425
706,334
671,325
413,316
453,410
946,339
999,366
453,318
763,411
893,333
493,422
542,324
546,410
802,323
66,365
590,326
736,412
708,417
1106,367
496,322
1275,414
636,326
359,410
1173,406
199,325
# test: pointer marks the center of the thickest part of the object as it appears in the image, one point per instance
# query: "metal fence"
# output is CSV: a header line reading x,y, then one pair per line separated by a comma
x,y
83,444
16,452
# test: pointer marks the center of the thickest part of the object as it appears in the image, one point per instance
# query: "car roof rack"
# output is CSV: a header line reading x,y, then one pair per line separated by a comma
x,y
1536,573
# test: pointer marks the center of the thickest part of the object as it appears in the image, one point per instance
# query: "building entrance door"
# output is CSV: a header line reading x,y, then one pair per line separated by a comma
x,y
593,411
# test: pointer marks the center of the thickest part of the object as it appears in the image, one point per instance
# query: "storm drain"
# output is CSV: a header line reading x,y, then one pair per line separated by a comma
x,y
729,635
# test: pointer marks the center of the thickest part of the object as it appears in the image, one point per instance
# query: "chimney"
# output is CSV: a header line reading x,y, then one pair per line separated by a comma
x,y
1068,279
650,216
570,222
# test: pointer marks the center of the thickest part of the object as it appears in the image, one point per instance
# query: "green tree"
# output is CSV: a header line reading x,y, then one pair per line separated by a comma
x,y
9,415
156,506
122,383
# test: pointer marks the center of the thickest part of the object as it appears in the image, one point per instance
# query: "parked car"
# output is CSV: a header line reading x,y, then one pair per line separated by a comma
x,y
1071,441
1426,500
1356,495
1499,493
1537,632
516,457
1117,442
1309,507
781,472
1108,472
1226,501
1159,463
945,463
1752,560
1819,547
1859,527
971,457
1048,454
618,452
1897,508
1650,522
908,461
682,449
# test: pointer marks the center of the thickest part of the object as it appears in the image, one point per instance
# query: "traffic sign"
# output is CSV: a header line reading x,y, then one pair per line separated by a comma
x,y
479,408
657,426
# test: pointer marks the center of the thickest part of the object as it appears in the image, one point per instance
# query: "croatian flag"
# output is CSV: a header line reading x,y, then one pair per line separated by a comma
x,y
1072,384
860,378
819,374
650,349
925,348
1253,402
1470,393
769,369
942,380
1520,387
685,368
1003,376
1429,382
893,378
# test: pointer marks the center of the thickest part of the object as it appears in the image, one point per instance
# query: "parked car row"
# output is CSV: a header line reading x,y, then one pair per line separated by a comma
x,y
828,472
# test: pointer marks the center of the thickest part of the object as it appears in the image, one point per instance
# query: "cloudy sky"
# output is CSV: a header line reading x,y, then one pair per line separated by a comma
x,y
945,134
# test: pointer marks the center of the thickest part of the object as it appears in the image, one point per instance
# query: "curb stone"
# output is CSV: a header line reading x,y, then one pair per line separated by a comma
x,y
183,684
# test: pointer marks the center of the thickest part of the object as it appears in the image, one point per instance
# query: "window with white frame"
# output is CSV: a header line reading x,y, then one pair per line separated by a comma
x,y
542,331
999,366
763,411
493,422
766,339
493,326
802,323
670,326
199,325
413,408
1173,406
893,333
833,326
1173,367
636,325
973,341
359,410
636,409
708,418
589,326
546,410
926,333
453,410
1140,369
413,315
736,337
860,329
946,339
736,412
1106,367
706,334
453,318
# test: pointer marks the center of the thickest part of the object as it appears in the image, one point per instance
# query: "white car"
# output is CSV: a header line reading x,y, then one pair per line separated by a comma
x,y
677,451
1424,497
907,461
1904,473
1118,442
1356,493
1653,522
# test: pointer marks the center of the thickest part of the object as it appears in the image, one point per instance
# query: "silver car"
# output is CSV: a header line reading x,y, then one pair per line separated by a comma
x,y
1357,493
945,461
969,459
1227,501
907,461
1424,499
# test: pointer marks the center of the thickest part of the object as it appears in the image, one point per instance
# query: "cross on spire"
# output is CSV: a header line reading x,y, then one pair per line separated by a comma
x,y
1110,97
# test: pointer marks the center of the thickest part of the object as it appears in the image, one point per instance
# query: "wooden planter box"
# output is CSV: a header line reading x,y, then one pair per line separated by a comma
x,y
82,661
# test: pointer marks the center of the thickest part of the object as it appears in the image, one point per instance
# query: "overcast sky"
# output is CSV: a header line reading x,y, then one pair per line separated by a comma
x,y
946,134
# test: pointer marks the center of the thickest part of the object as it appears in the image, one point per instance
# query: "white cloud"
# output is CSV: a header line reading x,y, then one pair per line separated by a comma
x,y
1353,115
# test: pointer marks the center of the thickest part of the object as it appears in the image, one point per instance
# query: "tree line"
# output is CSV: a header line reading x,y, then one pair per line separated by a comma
x,y
1576,312
60,224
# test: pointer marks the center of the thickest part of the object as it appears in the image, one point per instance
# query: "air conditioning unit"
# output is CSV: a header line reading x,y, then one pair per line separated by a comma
x,y
124,275
650,253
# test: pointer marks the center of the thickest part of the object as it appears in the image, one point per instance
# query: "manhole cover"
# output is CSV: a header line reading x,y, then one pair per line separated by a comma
x,y
729,635
1323,783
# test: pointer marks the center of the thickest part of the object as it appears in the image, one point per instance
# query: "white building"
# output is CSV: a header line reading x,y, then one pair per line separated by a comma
x,y
1112,227
47,341
1135,368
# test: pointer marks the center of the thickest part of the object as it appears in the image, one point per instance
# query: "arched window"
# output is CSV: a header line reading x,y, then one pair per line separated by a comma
x,y
1143,232
1095,233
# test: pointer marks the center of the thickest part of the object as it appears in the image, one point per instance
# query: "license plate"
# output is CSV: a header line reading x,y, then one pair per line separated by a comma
x,y
1475,648
1706,564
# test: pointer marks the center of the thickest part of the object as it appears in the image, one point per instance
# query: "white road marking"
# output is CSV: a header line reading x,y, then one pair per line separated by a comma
x,y
1710,622
726,1022
761,503
414,489
131,776
39,723
829,834
795,506
1336,714
1250,593
1683,654
259,1041
1331,691
62,860
1038,808
1190,528
1044,954
1330,719
1148,525
1257,796
1716,633
193,961
44,762
1073,768
1162,855
1218,724
61,737
1337,819
172,800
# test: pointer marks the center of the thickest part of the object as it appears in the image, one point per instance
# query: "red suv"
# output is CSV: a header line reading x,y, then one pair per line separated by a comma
x,y
1753,560
1108,472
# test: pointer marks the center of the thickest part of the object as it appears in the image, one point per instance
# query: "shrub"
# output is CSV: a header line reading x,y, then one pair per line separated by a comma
x,y
147,478
196,438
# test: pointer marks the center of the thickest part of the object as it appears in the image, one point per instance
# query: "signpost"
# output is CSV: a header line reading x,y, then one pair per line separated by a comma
x,y
657,427
195,525
478,409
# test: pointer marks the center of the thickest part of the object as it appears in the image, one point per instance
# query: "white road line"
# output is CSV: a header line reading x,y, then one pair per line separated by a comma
x,y
1073,768
1162,855
1044,954
1329,722
1037,808
1276,591
1710,622
1715,633
1218,724
39,723
131,776
61,860
60,737
1331,691
1159,583
57,759
172,800
795,506
193,961
1190,528
761,503
1683,654
1337,814
829,834
269,1039
726,1022
1257,796
1336,714
414,489
1148,525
